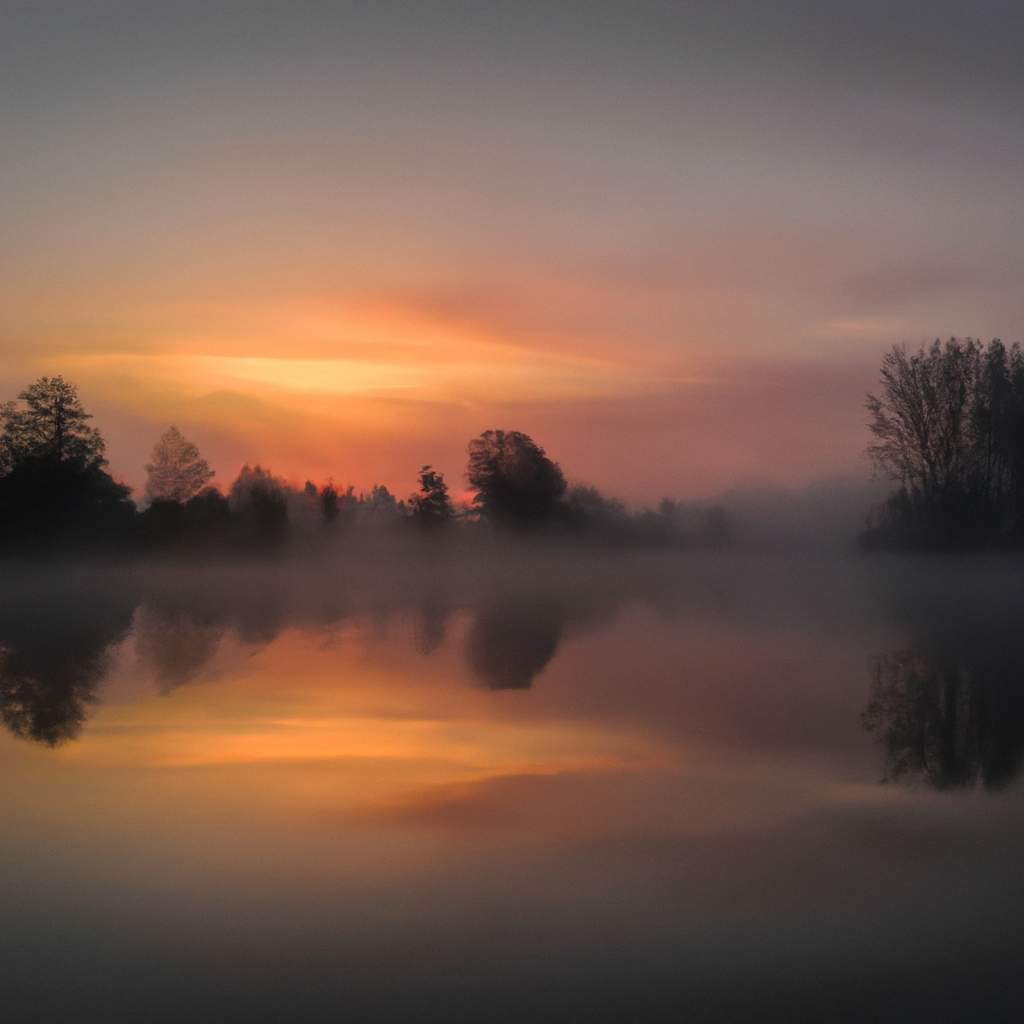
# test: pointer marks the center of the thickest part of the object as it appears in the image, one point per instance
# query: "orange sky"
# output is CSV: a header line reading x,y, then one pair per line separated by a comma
x,y
366,388
670,247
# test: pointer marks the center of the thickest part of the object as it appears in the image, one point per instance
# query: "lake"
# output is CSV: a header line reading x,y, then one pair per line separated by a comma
x,y
517,786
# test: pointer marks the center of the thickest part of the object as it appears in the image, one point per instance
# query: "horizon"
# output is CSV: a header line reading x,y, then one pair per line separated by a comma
x,y
462,492
670,244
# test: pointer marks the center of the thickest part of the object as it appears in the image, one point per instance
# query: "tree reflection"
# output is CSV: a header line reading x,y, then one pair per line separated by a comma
x,y
954,721
258,613
432,624
54,651
57,629
512,640
176,642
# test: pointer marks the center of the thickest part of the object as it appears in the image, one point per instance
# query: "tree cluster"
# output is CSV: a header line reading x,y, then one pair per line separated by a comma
x,y
948,428
56,494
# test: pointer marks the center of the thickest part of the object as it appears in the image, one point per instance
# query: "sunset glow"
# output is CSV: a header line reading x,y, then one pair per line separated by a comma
x,y
361,263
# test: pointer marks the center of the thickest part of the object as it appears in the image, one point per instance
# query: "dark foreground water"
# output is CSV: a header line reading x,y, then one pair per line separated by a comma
x,y
506,789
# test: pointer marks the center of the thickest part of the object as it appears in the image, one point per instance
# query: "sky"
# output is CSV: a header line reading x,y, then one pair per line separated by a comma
x,y
669,240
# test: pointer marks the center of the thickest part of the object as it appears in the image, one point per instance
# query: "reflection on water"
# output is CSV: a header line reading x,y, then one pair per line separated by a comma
x,y
56,640
948,709
435,615
512,640
283,778
176,641
946,722
54,646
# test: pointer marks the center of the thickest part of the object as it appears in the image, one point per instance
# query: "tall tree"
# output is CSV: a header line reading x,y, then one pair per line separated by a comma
x,y
48,421
920,420
516,483
432,506
178,472
925,434
329,507
948,426
54,490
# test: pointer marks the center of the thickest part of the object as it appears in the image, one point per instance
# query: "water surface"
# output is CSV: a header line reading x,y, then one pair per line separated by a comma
x,y
513,788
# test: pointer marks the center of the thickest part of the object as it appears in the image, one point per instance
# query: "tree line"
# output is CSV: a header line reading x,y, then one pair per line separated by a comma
x,y
948,430
56,493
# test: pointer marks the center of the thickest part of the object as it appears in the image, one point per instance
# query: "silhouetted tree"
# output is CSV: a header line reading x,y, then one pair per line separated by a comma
x,y
948,426
303,511
177,471
431,506
259,507
48,421
329,506
207,515
516,483
202,525
588,511
49,504
349,505
54,490
381,503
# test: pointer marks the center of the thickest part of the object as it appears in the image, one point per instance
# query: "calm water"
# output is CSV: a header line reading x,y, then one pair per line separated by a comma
x,y
506,790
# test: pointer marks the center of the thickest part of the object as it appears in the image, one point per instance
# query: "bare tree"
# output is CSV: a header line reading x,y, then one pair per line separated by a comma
x,y
948,426
921,418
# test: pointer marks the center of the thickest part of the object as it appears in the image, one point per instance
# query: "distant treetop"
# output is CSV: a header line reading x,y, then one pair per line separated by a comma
x,y
177,471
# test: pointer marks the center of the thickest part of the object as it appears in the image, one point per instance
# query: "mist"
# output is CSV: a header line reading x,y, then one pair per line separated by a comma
x,y
511,512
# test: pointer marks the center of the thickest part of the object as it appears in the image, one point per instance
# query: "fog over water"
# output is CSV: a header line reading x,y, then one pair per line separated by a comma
x,y
511,513
562,786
